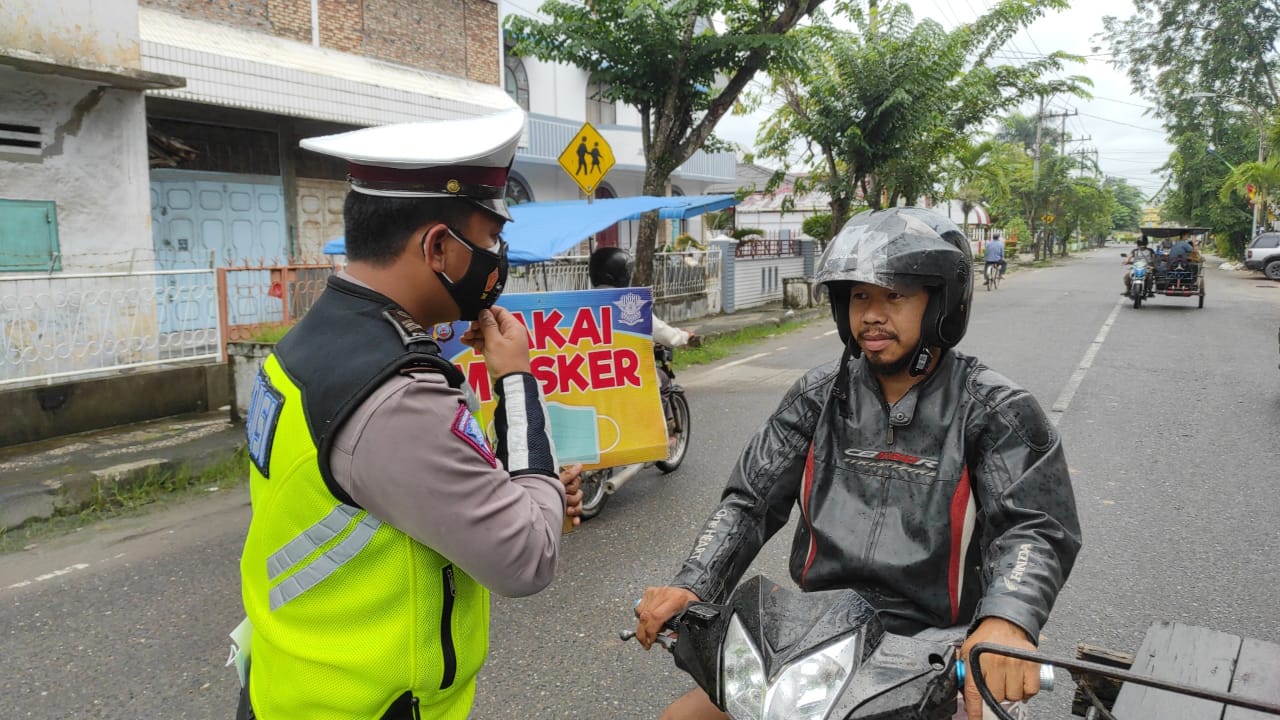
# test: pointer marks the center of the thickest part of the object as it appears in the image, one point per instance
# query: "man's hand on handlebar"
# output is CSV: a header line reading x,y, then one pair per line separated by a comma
x,y
657,606
1008,679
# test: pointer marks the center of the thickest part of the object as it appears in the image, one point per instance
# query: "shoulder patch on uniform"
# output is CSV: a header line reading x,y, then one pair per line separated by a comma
x,y
265,403
466,427
411,331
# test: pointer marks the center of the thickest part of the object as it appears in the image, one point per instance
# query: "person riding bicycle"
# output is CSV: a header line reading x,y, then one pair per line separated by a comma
x,y
994,255
929,484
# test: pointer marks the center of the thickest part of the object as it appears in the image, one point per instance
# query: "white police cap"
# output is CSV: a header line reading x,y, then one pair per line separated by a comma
x,y
467,159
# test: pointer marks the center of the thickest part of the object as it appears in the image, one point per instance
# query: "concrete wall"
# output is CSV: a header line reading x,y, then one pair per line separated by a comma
x,y
73,32
757,282
33,414
244,359
94,165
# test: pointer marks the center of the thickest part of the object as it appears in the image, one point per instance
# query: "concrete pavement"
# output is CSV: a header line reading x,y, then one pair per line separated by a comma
x,y
61,476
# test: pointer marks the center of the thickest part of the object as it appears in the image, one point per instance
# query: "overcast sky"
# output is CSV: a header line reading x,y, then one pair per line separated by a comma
x,y
1130,144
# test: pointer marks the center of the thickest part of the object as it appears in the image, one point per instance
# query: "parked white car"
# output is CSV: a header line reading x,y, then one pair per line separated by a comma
x,y
1264,254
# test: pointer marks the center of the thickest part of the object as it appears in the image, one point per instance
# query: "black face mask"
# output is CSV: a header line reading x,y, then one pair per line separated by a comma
x,y
483,282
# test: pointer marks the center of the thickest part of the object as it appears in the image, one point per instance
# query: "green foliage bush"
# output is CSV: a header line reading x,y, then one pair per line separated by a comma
x,y
818,227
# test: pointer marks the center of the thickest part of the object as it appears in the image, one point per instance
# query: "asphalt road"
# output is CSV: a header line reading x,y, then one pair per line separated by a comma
x,y
1170,434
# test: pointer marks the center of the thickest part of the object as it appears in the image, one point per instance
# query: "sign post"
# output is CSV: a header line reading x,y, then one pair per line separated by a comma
x,y
587,159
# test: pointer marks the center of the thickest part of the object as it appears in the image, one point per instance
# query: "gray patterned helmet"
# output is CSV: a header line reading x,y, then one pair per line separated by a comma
x,y
896,246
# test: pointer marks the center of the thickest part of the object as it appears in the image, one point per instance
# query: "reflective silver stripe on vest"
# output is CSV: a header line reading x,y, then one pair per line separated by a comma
x,y
325,565
311,539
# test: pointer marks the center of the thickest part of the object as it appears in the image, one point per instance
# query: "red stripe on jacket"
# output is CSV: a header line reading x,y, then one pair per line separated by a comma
x,y
805,494
959,508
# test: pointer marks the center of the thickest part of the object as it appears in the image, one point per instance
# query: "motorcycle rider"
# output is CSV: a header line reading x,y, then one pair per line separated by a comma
x,y
1142,252
926,482
611,267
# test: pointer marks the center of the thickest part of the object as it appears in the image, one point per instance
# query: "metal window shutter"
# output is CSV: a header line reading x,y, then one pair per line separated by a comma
x,y
29,236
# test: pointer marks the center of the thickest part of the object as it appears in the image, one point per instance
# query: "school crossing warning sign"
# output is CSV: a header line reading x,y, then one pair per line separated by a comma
x,y
587,158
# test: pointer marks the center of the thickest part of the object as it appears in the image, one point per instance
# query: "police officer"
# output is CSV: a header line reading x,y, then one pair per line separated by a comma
x,y
382,516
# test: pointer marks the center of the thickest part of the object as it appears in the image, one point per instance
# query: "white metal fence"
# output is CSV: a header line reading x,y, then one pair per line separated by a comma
x,y
676,275
67,325
59,326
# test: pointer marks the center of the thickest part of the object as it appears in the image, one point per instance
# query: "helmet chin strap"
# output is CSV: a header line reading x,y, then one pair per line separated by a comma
x,y
841,390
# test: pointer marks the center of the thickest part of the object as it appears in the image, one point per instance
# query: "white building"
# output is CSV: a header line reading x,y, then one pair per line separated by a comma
x,y
73,154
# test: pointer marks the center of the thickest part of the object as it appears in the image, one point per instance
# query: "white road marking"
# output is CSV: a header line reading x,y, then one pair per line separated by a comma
x,y
747,359
829,333
49,576
1064,399
784,347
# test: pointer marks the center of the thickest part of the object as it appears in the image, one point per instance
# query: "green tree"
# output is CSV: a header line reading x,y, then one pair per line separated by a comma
x,y
870,113
818,226
1263,177
1172,49
679,69
1087,208
973,173
1129,201
1020,129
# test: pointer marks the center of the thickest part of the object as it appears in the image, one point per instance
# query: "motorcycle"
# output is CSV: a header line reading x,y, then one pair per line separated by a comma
x,y
772,653
1138,288
598,485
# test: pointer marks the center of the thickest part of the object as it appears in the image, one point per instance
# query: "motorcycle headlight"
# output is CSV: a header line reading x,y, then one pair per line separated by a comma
x,y
807,687
742,674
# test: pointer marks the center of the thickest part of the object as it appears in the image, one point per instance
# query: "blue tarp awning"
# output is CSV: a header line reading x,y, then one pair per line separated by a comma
x,y
542,230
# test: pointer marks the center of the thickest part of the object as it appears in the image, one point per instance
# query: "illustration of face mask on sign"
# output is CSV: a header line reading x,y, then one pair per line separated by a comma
x,y
575,430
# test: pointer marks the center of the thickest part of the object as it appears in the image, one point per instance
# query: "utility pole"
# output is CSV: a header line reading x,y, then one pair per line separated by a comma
x,y
1082,153
1062,152
1035,174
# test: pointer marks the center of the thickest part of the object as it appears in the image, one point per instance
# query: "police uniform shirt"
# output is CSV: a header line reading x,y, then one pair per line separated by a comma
x,y
399,457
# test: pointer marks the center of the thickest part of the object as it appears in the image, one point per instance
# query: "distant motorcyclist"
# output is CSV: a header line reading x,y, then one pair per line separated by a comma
x,y
1142,252
611,267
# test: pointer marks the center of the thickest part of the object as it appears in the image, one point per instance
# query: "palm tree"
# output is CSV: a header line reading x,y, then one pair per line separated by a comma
x,y
1264,176
974,173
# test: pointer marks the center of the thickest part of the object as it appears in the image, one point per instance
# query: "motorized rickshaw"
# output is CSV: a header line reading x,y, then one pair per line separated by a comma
x,y
1175,276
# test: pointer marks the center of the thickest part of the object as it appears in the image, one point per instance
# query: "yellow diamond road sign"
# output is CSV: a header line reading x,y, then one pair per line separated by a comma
x,y
587,158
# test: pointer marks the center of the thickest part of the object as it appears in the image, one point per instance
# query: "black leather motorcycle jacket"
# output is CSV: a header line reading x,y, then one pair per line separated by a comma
x,y
950,506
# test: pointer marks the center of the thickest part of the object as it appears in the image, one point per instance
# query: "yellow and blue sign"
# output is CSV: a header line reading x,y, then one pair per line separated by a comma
x,y
591,351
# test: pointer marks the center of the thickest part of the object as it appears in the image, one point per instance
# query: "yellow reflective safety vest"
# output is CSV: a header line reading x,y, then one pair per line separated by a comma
x,y
350,615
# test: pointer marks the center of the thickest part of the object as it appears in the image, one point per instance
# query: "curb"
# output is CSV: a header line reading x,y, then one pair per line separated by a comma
x,y
787,315
29,502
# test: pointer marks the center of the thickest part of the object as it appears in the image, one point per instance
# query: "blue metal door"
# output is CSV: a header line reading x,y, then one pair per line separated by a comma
x,y
203,220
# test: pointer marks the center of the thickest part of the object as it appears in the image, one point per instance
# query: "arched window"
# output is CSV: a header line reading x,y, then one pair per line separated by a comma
x,y
518,191
599,110
515,80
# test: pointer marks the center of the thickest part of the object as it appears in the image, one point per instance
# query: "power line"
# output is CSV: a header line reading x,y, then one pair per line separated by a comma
x,y
1123,102
1117,122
